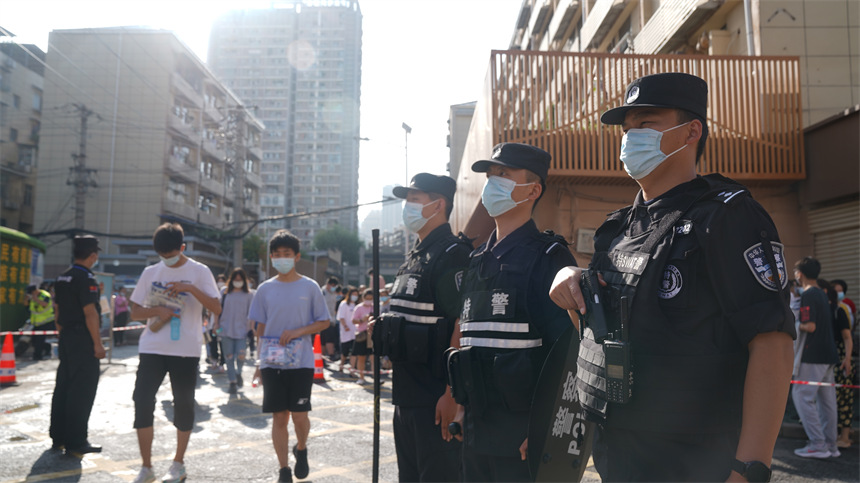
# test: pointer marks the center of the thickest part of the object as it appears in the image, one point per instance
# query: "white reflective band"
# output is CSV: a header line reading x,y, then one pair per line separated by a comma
x,y
500,343
494,326
418,319
395,302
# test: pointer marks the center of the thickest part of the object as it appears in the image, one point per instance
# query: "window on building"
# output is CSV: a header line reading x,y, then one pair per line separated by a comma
x,y
28,195
37,101
13,135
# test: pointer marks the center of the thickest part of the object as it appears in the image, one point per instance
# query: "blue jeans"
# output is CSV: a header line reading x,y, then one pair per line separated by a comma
x,y
234,355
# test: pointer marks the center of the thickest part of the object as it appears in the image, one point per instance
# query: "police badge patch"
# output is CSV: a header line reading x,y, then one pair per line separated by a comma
x,y
671,284
757,262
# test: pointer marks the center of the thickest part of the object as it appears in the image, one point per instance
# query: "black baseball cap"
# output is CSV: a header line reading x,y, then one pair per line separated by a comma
x,y
86,242
519,156
428,183
673,90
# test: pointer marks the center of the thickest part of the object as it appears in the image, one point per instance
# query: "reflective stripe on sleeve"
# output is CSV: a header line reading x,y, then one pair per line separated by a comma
x,y
408,304
494,327
500,343
418,319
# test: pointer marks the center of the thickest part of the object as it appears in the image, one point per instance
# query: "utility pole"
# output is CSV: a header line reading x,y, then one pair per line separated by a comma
x,y
80,176
237,154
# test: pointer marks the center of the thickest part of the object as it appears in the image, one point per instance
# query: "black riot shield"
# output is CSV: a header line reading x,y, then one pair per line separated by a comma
x,y
560,438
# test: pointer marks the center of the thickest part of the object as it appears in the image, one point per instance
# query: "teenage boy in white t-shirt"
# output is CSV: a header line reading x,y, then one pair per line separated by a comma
x,y
288,308
170,296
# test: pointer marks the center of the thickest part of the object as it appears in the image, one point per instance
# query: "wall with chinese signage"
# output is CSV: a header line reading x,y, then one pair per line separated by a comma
x,y
21,264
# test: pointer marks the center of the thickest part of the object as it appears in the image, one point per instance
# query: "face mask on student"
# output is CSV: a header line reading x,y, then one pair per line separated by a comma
x,y
496,196
840,296
238,284
384,298
640,150
283,265
170,261
412,216
353,298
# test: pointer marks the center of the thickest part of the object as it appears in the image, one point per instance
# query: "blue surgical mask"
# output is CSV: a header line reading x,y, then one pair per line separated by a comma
x,y
353,298
383,299
840,296
640,150
412,217
170,261
496,196
283,265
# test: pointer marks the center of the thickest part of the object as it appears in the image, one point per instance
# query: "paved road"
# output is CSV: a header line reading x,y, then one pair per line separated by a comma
x,y
231,437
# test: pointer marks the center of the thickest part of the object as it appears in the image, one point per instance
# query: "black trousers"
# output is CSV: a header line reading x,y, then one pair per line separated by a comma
x,y
623,455
484,467
40,347
75,390
422,454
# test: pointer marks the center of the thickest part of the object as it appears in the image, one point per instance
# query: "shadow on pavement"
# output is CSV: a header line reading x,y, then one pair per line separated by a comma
x,y
52,461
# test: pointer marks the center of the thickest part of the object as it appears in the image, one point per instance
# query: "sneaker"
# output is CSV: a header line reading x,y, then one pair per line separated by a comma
x,y
285,476
145,476
233,389
834,453
239,381
302,468
812,452
175,474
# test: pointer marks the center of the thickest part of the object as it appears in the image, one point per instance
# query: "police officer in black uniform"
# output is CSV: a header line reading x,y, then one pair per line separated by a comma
x,y
417,331
709,332
507,322
80,348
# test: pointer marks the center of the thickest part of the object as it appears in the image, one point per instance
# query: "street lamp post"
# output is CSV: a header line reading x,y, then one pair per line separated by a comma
x,y
406,131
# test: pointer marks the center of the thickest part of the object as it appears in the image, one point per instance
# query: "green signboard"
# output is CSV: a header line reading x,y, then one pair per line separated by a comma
x,y
21,264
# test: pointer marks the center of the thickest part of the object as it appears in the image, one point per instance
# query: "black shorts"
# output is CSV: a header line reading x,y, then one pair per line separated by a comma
x,y
183,380
360,349
287,390
346,347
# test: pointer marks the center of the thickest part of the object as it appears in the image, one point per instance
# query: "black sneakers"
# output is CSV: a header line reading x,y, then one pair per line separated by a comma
x,y
285,476
302,468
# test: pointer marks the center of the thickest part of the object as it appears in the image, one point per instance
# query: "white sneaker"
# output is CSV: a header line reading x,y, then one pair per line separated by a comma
x,y
145,476
834,453
811,452
175,474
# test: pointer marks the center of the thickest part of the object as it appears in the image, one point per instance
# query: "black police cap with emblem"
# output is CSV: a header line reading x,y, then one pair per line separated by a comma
x,y
429,183
673,90
519,156
86,242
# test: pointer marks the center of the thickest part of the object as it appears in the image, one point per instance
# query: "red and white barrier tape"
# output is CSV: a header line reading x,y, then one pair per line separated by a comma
x,y
811,383
54,332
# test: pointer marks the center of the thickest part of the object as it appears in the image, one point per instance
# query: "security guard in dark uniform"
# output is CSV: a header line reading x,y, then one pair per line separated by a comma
x,y
417,331
507,322
695,271
80,348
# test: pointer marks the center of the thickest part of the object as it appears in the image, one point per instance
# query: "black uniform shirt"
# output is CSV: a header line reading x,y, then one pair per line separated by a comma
x,y
447,271
74,289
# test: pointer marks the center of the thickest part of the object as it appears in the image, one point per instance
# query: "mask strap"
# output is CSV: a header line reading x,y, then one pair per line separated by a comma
x,y
676,127
527,198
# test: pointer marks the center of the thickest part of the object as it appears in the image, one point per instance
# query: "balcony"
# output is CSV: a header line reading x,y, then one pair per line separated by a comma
x,y
256,151
253,179
213,186
211,148
185,130
554,100
183,88
185,171
180,209
599,21
672,23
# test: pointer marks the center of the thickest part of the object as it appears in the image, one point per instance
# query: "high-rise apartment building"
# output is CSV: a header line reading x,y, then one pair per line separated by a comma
x,y
21,77
162,138
301,67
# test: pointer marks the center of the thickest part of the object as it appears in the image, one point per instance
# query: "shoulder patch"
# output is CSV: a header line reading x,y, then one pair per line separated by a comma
x,y
756,260
728,195
458,279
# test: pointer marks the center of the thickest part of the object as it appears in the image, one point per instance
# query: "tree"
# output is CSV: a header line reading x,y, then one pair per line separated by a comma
x,y
339,238
253,248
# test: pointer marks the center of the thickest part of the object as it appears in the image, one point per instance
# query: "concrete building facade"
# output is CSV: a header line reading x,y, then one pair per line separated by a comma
x,y
301,66
21,79
165,140
771,114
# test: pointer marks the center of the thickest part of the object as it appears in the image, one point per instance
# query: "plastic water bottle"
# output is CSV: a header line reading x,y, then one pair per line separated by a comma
x,y
174,328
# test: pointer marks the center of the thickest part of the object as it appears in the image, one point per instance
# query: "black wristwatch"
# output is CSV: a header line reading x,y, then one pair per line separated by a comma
x,y
752,471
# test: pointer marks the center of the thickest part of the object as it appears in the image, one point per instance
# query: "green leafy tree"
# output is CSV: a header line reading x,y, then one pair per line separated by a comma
x,y
339,238
253,248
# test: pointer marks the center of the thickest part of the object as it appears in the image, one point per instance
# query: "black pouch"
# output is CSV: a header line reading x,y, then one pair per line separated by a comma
x,y
394,339
417,339
455,376
513,374
380,336
441,339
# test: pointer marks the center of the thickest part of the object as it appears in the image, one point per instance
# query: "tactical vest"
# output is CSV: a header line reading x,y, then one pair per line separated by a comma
x,y
671,392
40,316
501,351
415,329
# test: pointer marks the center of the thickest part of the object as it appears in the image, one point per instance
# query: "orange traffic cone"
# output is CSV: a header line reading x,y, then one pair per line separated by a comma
x,y
7,362
318,360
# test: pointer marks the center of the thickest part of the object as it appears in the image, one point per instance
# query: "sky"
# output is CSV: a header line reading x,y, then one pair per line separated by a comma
x,y
419,57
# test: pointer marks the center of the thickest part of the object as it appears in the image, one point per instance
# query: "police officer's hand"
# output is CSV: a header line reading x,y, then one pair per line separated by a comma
x,y
446,411
287,336
461,412
524,450
99,351
565,290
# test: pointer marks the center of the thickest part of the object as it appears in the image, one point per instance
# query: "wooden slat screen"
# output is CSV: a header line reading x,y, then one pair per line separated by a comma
x,y
554,100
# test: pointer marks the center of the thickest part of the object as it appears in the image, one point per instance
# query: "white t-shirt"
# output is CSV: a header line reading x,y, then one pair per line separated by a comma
x,y
345,312
149,292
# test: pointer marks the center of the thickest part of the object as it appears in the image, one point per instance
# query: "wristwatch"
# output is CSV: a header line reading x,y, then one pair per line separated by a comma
x,y
752,471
